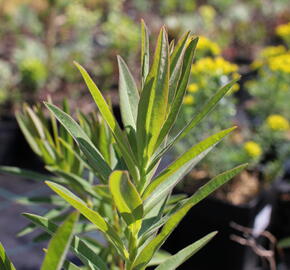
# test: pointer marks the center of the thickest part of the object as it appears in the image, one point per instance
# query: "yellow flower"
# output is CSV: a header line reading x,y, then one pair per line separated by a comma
x,y
214,66
188,100
283,30
192,88
272,51
253,149
277,122
280,63
204,45
270,57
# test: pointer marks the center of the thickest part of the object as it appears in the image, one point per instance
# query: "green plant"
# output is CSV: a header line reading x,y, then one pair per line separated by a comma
x,y
128,203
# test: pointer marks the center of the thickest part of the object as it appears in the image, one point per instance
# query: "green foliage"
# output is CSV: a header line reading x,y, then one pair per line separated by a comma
x,y
59,244
5,263
125,200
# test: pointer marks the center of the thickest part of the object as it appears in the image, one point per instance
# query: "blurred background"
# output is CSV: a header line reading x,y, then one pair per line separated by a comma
x,y
39,40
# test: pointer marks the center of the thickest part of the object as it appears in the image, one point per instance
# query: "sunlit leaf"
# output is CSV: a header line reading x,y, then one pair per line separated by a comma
x,y
152,108
59,244
180,257
127,199
108,116
90,151
90,214
129,95
145,57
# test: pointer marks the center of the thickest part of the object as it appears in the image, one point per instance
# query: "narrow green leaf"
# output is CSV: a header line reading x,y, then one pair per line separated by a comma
x,y
5,263
54,128
75,154
59,244
178,50
129,95
152,108
36,122
81,183
104,192
105,111
91,215
176,63
49,199
159,257
170,177
27,133
180,91
50,214
48,153
78,246
27,174
104,139
80,205
147,253
127,199
171,46
145,57
179,258
195,121
88,148
70,266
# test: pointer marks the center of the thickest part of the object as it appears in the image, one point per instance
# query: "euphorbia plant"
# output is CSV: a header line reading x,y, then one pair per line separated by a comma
x,y
139,212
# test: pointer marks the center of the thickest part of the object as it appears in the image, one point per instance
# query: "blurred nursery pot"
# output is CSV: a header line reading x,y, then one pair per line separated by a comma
x,y
250,208
9,133
13,146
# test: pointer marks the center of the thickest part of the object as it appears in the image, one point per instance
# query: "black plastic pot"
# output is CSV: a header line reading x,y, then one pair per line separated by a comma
x,y
9,133
216,215
14,150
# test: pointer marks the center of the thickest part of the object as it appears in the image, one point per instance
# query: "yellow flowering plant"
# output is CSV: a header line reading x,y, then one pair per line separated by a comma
x,y
269,107
271,88
273,136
